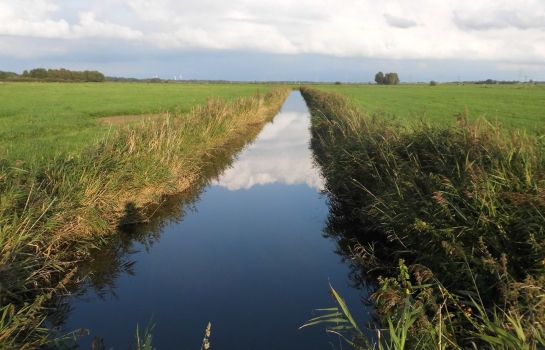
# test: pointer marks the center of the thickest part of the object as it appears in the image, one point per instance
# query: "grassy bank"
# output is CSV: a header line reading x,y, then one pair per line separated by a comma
x,y
52,214
512,106
448,221
40,120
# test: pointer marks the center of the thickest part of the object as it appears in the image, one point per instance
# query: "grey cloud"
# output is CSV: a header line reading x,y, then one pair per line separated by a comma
x,y
399,22
498,20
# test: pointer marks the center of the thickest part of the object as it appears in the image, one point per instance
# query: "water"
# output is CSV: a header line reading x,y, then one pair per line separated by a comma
x,y
249,257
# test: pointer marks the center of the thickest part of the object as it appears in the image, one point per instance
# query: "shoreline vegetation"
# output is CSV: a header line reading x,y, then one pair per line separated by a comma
x,y
448,222
52,215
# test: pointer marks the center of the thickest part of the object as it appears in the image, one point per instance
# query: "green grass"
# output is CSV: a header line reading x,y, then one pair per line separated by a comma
x,y
513,106
39,120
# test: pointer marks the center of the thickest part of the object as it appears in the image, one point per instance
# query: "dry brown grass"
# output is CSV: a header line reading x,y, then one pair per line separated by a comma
x,y
120,120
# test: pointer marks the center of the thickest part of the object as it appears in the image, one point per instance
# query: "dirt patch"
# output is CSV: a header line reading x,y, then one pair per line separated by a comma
x,y
128,119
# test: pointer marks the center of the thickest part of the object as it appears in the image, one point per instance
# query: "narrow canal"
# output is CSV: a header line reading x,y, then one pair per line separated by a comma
x,y
248,255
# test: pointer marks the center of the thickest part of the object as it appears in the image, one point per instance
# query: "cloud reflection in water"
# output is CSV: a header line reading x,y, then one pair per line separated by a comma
x,y
280,154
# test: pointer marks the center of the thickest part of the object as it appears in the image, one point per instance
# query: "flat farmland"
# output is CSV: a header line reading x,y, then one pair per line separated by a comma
x,y
39,120
512,106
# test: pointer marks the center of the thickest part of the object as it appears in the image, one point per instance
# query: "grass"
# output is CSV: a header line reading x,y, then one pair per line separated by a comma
x,y
52,214
512,106
447,219
40,120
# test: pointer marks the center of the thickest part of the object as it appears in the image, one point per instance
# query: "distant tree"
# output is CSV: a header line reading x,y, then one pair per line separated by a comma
x,y
38,73
379,78
391,79
433,83
63,74
7,75
94,76
337,83
388,79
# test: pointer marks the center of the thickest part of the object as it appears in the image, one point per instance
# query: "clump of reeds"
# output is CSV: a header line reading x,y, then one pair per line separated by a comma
x,y
53,215
408,322
465,201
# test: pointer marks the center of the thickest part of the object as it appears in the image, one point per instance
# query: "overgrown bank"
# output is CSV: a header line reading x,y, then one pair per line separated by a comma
x,y
448,221
52,215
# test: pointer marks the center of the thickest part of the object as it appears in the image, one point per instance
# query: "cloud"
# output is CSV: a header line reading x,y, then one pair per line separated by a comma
x,y
238,36
29,18
90,27
498,30
399,22
499,20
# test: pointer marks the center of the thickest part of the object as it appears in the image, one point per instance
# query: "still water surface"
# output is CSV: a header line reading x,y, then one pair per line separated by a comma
x,y
249,256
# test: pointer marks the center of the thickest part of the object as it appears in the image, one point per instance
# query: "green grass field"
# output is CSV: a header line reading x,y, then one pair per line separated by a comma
x,y
38,120
513,106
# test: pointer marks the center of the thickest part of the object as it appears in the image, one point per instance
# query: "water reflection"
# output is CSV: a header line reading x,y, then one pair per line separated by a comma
x,y
249,257
279,155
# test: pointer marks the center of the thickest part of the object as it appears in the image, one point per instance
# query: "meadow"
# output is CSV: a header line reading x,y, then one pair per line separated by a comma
x,y
513,106
39,120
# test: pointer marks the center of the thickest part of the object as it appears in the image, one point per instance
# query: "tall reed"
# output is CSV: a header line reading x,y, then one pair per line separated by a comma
x,y
463,205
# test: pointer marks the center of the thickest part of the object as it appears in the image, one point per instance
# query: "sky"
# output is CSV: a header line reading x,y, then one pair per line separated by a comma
x,y
317,40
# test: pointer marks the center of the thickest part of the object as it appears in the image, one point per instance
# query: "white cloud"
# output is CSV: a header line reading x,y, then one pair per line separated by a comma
x,y
399,22
499,30
524,15
88,26
35,18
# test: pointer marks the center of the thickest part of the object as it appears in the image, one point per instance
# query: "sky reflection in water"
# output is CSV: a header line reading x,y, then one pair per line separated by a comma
x,y
251,258
279,155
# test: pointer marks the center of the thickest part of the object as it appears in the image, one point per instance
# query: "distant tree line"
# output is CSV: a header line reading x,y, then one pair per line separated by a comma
x,y
386,79
42,74
7,75
503,82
